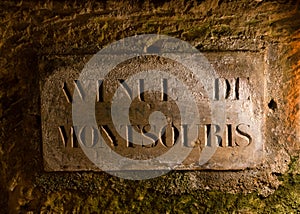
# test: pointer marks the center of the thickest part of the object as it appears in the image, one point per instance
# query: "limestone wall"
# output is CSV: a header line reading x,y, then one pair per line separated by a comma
x,y
38,37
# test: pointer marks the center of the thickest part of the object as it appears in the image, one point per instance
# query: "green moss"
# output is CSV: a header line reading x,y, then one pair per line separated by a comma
x,y
294,165
167,194
171,193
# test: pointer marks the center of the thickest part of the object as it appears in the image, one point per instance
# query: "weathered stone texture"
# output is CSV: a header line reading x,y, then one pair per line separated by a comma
x,y
36,37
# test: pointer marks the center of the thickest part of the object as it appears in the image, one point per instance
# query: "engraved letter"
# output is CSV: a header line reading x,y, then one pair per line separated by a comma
x,y
126,87
100,91
68,94
164,92
209,135
71,137
89,137
108,134
245,138
168,132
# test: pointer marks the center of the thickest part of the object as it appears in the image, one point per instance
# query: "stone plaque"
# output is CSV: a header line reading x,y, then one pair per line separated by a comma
x,y
239,88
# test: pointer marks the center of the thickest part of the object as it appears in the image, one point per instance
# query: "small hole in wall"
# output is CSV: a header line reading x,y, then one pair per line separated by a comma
x,y
272,105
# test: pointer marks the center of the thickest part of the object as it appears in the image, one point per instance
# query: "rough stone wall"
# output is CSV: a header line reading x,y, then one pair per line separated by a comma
x,y
37,36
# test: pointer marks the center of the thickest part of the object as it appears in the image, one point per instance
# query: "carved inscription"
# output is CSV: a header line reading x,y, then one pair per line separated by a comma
x,y
224,89
239,87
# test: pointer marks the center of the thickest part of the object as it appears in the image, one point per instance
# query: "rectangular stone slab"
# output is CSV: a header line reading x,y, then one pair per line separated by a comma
x,y
238,91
